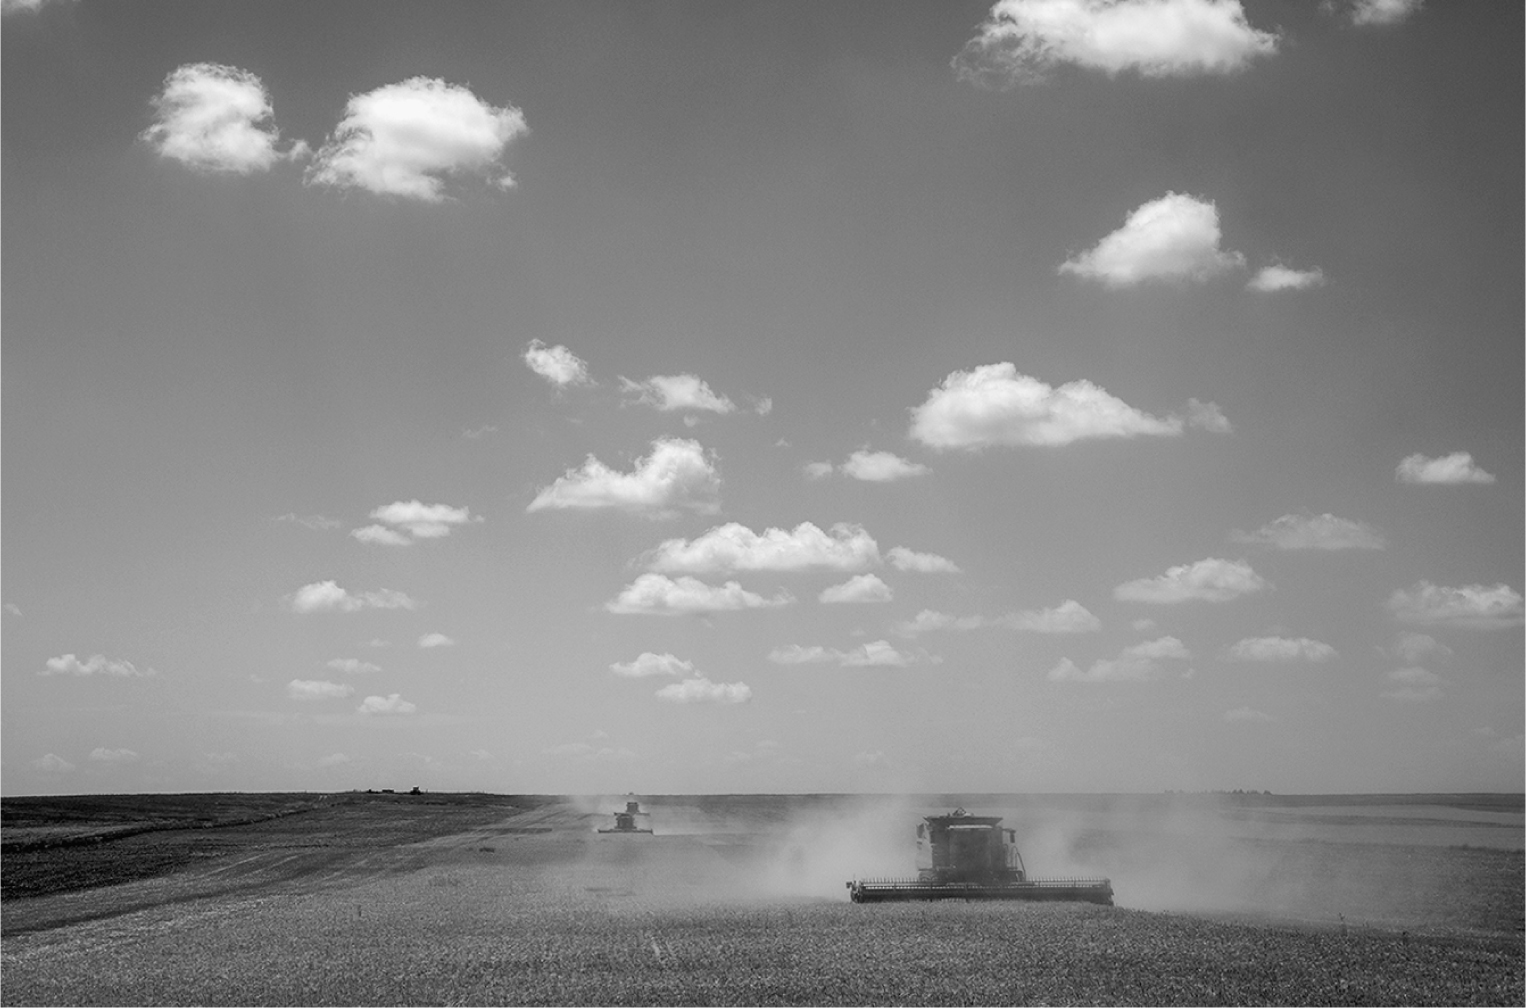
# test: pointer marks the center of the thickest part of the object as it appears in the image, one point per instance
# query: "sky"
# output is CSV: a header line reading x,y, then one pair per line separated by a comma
x,y
573,397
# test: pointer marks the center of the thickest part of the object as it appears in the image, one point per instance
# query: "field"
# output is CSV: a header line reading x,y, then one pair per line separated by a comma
x,y
484,899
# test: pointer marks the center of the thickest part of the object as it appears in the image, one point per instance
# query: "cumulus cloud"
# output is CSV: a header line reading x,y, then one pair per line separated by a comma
x,y
702,690
97,664
1247,714
928,620
1174,238
674,393
104,755
326,596
1414,684
1317,532
1457,467
52,763
434,640
735,547
1069,617
874,653
1377,13
881,467
903,559
995,405
862,588
402,522
1473,607
650,664
558,365
217,118
1210,580
1281,649
1281,278
675,476
657,594
317,689
1143,662
380,535
352,666
405,139
1414,648
390,704
1021,41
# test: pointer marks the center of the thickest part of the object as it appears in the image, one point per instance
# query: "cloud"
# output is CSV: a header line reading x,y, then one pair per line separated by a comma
x,y
1281,278
1143,662
903,559
380,535
1369,13
734,547
1281,649
405,139
928,620
881,467
657,594
1174,238
12,609
52,763
28,6
1414,648
390,704
584,752
326,596
1247,714
1457,467
1472,607
317,689
702,690
435,640
1069,617
676,475
1414,684
871,760
995,405
862,588
672,393
817,470
97,664
558,365
1207,416
352,666
651,664
874,653
1021,41
103,755
416,519
316,522
1210,580
334,759
214,118
1316,532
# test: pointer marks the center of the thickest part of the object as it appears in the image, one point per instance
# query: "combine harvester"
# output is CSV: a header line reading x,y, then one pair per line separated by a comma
x,y
625,822
963,856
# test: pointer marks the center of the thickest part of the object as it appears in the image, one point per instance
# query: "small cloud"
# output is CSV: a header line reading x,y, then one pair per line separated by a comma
x,y
862,588
675,476
1414,648
405,521
380,535
352,666
1380,13
478,432
657,594
817,470
1414,685
1457,467
326,596
881,467
28,6
1281,278
928,620
1069,617
481,754
102,755
316,522
1316,532
403,140
1142,625
12,609
434,640
871,760
702,690
95,665
650,664
1472,607
1022,41
1248,714
390,704
676,393
1143,662
875,653
378,642
334,759
734,547
1174,238
558,365
215,118
317,689
1207,416
1210,580
52,764
583,752
1281,649
903,559
763,406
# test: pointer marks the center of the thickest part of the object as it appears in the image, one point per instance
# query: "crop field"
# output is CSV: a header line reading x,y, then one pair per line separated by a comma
x,y
483,899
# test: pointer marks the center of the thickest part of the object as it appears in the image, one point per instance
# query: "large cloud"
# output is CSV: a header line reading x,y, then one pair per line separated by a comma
x,y
404,139
1457,467
558,365
1141,662
1318,532
874,653
672,393
1175,237
317,689
651,664
1210,580
735,547
215,118
860,588
1022,40
1281,649
995,405
702,690
881,467
402,522
657,594
97,664
326,596
675,476
1474,607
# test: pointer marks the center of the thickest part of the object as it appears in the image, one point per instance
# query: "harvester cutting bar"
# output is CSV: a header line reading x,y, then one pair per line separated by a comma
x,y
886,890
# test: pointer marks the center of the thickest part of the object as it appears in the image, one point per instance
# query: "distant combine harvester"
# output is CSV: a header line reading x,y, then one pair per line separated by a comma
x,y
625,822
